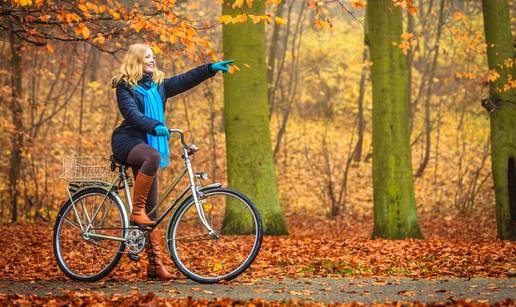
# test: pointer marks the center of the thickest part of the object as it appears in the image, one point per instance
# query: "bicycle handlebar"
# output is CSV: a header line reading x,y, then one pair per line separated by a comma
x,y
181,134
187,150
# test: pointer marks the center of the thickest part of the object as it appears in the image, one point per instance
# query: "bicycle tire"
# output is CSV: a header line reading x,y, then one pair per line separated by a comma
x,y
59,222
186,204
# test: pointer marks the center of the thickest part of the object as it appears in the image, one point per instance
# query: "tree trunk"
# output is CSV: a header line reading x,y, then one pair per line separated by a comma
x,y
357,153
248,145
428,97
394,201
271,62
497,26
17,120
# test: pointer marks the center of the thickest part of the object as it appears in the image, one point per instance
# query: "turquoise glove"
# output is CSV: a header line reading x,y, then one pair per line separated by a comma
x,y
224,66
161,130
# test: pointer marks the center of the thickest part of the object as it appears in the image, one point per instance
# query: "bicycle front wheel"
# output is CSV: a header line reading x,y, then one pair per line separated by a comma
x,y
208,259
82,255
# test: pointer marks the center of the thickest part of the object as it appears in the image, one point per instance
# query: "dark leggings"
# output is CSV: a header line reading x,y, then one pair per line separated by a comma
x,y
145,158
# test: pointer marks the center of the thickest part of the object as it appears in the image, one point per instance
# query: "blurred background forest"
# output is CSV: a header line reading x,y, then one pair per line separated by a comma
x,y
320,103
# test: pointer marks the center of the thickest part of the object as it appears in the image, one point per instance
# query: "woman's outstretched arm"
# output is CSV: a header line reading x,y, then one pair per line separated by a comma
x,y
183,82
129,110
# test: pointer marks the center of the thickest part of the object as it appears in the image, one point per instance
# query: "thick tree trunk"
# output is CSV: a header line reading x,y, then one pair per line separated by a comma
x,y
248,145
17,120
394,201
500,48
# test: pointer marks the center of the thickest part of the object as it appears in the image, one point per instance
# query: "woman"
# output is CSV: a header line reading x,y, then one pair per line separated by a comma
x,y
141,141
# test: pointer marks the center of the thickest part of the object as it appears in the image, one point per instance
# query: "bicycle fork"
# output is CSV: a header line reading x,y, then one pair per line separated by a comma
x,y
198,205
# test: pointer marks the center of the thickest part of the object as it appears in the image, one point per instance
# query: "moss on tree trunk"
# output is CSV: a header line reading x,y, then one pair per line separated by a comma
x,y
500,49
248,144
394,201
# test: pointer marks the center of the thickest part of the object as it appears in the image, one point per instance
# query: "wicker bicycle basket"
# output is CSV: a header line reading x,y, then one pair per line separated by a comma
x,y
87,168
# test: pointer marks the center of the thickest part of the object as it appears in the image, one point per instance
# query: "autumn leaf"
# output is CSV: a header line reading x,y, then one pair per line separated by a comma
x,y
23,2
279,20
358,4
156,49
82,7
50,48
254,18
225,19
92,7
100,39
238,3
85,32
492,75
44,17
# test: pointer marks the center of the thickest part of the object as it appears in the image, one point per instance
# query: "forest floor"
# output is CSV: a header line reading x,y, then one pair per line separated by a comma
x,y
288,290
321,260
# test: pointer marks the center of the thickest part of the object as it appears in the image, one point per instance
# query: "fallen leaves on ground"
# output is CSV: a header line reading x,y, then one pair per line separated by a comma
x,y
150,299
29,255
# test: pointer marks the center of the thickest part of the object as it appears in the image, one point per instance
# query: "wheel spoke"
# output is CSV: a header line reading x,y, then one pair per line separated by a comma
x,y
72,224
89,258
215,259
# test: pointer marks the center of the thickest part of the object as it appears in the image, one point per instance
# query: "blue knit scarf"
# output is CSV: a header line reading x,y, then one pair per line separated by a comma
x,y
154,110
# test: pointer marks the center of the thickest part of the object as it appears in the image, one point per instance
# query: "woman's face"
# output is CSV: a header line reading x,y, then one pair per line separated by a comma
x,y
149,62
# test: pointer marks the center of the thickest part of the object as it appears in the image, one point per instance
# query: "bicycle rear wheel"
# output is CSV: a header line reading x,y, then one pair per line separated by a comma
x,y
82,257
203,258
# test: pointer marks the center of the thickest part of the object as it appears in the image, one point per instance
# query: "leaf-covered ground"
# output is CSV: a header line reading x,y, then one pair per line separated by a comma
x,y
454,247
73,299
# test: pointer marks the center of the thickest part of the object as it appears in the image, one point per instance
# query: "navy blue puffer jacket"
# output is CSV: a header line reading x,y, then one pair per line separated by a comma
x,y
133,129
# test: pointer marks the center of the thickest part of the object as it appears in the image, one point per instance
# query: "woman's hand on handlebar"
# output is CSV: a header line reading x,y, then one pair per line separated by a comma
x,y
161,130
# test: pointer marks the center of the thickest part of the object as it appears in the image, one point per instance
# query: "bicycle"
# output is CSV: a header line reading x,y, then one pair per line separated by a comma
x,y
205,240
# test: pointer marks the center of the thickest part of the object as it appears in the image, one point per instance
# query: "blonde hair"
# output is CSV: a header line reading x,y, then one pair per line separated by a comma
x,y
131,69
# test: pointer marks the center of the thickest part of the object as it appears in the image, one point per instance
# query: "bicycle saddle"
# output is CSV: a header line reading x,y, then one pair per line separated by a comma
x,y
114,162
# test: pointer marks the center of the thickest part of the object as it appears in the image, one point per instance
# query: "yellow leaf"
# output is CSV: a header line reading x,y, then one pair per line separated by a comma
x,y
85,32
279,20
407,35
492,75
156,49
82,7
256,19
225,19
113,13
249,3
238,3
25,2
217,267
99,39
92,7
207,206
240,18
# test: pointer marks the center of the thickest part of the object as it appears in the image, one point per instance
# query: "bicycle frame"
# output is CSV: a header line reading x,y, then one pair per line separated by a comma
x,y
192,187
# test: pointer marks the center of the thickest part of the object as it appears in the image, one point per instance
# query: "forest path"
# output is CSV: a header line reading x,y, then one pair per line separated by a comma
x,y
327,290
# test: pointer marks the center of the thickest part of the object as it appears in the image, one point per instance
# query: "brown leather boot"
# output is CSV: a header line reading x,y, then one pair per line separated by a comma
x,y
156,268
142,186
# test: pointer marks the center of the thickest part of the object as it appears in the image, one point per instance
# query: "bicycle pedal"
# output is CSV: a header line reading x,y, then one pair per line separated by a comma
x,y
141,226
133,257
